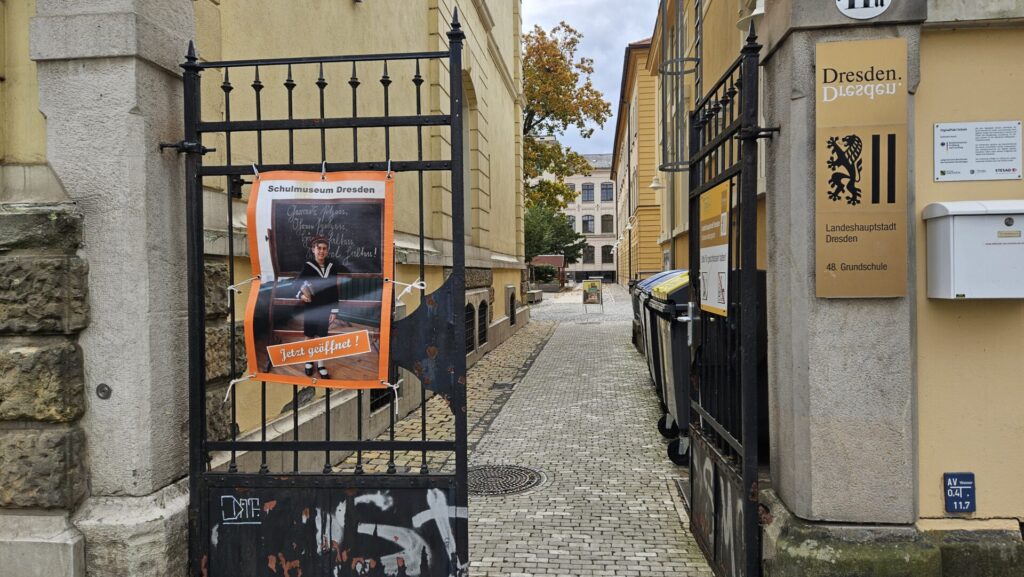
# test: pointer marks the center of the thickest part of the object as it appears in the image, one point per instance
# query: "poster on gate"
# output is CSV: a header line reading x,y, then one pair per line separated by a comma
x,y
714,249
320,309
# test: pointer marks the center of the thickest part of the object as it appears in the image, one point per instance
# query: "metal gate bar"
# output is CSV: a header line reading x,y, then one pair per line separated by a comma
x,y
203,480
724,429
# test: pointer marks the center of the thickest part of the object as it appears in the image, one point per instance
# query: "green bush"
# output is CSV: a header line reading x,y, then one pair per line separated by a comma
x,y
544,273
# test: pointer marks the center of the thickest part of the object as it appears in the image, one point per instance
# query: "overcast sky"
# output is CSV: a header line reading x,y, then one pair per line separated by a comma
x,y
607,27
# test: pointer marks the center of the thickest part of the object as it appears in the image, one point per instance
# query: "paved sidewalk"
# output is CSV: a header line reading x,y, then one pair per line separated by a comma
x,y
585,415
505,364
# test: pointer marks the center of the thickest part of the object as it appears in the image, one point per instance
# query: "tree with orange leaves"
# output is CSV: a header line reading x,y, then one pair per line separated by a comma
x,y
559,96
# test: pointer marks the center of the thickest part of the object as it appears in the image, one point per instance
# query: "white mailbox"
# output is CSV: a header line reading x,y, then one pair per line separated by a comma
x,y
975,249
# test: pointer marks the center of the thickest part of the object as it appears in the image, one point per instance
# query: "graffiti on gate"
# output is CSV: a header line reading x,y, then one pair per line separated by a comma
x,y
340,533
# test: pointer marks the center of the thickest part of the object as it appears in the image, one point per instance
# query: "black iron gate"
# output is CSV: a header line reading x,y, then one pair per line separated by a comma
x,y
728,311
273,501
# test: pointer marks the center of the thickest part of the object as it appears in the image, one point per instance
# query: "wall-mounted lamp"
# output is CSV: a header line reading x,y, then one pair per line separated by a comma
x,y
755,14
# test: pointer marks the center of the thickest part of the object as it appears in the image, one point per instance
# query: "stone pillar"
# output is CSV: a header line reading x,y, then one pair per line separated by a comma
x,y
841,370
110,88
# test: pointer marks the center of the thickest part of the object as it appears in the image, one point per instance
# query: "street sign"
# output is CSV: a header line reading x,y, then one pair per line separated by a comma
x,y
863,9
960,492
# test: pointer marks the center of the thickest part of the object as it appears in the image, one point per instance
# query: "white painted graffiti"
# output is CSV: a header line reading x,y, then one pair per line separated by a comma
x,y
240,511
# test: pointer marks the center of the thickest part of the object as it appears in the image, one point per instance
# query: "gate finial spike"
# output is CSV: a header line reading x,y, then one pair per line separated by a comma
x,y
751,33
190,55
456,34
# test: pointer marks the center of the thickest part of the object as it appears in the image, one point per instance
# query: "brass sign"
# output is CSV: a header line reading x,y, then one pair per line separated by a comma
x,y
861,169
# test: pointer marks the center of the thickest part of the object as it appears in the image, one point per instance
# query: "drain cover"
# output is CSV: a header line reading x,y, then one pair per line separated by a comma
x,y
503,479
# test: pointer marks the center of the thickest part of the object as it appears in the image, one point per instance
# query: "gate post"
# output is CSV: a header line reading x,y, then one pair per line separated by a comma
x,y
749,313
107,104
855,383
455,38
196,299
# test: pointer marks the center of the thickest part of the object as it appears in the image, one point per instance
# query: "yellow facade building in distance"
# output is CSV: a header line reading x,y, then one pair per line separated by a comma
x,y
634,167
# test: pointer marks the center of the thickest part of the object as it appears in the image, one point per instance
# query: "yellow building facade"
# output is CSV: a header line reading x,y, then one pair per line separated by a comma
x,y
634,167
492,86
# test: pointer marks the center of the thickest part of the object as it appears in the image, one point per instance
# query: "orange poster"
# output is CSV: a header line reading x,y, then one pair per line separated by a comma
x,y
320,246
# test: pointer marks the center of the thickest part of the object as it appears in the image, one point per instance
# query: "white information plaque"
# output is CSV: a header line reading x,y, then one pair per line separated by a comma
x,y
978,151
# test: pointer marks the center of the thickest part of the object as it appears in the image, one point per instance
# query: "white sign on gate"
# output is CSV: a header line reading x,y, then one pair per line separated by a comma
x,y
863,9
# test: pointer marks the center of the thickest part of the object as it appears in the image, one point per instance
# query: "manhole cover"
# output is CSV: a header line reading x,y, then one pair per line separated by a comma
x,y
503,479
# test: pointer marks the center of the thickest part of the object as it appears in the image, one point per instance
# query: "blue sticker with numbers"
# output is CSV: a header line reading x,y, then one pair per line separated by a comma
x,y
960,492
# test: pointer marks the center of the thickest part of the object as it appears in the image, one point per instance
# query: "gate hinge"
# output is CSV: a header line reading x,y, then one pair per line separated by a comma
x,y
186,146
757,132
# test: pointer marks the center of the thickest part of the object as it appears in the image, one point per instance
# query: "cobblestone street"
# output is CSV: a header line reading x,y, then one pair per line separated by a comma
x,y
585,416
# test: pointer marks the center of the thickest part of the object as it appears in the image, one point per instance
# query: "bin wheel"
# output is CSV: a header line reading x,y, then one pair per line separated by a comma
x,y
667,427
681,459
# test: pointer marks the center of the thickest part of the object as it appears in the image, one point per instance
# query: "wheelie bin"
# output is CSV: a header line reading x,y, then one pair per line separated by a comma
x,y
650,335
639,291
634,296
669,302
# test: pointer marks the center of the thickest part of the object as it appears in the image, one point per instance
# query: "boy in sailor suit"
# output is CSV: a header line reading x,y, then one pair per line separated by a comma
x,y
319,295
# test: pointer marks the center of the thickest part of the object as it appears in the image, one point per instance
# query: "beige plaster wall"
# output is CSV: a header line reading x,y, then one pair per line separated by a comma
x,y
235,29
22,126
969,353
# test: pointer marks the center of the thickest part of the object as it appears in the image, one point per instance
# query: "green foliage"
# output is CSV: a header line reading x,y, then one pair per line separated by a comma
x,y
544,273
559,95
547,231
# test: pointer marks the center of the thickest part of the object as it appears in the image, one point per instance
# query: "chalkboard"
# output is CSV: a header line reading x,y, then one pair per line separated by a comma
x,y
353,228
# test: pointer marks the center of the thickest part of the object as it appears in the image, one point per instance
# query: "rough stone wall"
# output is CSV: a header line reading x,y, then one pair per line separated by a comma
x,y
42,308
218,348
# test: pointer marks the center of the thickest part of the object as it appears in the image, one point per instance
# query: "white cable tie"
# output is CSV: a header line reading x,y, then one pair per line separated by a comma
x,y
255,171
394,389
417,284
231,385
323,170
234,287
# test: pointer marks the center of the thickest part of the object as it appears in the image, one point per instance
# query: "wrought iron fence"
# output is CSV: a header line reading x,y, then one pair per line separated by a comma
x,y
263,124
